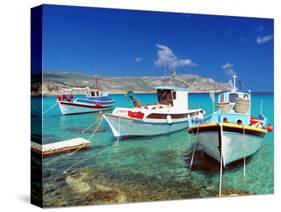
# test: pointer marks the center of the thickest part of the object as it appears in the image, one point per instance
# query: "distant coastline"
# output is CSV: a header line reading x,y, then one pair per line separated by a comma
x,y
55,81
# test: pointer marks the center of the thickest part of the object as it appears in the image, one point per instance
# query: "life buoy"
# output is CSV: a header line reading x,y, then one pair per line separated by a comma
x,y
98,105
65,98
137,115
256,122
269,128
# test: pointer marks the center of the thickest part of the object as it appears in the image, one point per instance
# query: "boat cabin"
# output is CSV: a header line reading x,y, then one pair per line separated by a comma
x,y
173,96
235,101
96,94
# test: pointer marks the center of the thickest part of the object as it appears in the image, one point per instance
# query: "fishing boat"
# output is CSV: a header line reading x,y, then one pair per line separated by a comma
x,y
168,115
231,133
93,101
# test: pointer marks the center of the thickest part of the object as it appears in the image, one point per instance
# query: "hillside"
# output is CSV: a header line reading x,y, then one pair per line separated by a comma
x,y
53,82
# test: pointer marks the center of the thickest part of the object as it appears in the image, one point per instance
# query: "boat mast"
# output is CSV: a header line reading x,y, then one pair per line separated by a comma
x,y
97,84
234,89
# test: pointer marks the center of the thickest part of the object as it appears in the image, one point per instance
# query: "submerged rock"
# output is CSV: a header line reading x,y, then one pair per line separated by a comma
x,y
77,183
232,192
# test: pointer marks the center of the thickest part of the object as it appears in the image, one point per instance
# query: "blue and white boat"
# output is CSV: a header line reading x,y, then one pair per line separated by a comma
x,y
231,133
170,114
95,100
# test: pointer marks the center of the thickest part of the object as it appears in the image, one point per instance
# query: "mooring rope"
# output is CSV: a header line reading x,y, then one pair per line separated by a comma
x,y
80,161
118,128
244,149
221,159
95,131
87,128
194,147
50,108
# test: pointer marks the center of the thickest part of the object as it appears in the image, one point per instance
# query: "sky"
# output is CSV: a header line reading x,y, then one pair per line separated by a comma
x,y
111,42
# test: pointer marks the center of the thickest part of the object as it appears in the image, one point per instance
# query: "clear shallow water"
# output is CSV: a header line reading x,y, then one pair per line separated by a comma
x,y
144,168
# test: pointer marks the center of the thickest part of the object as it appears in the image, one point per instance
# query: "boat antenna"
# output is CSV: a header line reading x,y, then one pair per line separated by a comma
x,y
234,89
212,96
165,72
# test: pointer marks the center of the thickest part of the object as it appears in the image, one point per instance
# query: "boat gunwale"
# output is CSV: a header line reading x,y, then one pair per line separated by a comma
x,y
143,120
228,127
83,105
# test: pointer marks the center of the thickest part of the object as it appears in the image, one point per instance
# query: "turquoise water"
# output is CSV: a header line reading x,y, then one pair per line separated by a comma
x,y
145,168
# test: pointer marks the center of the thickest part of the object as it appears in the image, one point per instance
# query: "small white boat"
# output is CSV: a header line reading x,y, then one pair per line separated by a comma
x,y
94,101
231,133
170,114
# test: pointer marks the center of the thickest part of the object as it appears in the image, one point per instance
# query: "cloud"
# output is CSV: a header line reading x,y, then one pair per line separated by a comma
x,y
167,57
264,39
138,59
227,66
229,72
228,69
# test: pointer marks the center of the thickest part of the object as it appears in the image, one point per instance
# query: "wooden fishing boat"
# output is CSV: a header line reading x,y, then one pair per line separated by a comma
x,y
231,133
93,101
170,114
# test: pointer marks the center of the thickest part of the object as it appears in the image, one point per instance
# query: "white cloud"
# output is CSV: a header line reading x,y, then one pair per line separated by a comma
x,y
138,59
264,39
227,66
167,57
229,72
228,69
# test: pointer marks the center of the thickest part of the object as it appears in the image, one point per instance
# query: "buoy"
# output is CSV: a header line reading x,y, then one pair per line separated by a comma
x,y
269,128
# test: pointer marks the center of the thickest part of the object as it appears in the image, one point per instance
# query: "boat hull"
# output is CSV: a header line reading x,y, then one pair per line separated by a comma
x,y
235,145
72,108
122,127
236,141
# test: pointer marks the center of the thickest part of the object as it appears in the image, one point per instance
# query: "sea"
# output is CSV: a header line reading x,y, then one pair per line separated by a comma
x,y
144,168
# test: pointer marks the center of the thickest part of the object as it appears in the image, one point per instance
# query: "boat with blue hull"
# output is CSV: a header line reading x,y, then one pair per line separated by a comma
x,y
94,101
170,114
231,133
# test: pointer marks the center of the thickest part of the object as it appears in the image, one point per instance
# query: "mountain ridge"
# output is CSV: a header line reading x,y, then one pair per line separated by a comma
x,y
54,81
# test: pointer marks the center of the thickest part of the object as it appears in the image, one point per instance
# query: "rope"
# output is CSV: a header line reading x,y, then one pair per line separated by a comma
x,y
221,158
194,147
95,131
50,108
80,161
36,108
244,165
87,128
118,128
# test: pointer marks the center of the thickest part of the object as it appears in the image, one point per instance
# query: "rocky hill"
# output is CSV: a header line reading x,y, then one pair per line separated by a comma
x,y
54,82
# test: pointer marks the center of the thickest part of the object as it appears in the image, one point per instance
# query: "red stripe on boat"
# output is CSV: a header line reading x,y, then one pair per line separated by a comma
x,y
98,105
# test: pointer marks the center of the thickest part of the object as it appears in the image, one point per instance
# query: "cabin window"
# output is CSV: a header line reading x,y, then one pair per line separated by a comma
x,y
246,96
165,97
92,93
233,97
97,93
221,97
239,121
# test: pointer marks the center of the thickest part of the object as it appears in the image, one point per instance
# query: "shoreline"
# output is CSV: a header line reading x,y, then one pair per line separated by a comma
x,y
112,93
49,94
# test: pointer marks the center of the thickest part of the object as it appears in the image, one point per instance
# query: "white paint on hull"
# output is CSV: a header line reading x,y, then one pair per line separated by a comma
x,y
73,109
130,127
235,145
